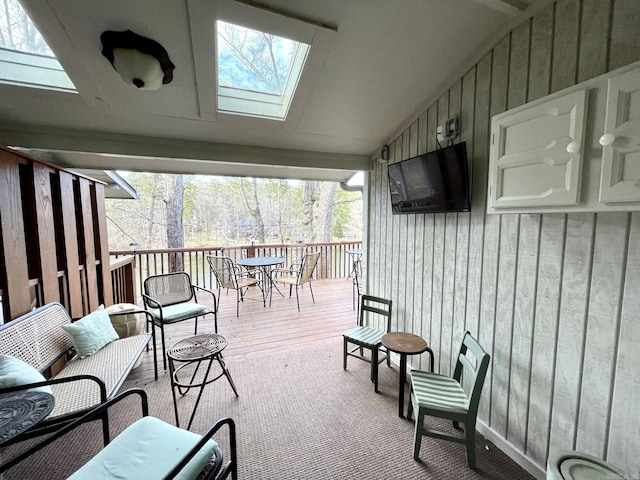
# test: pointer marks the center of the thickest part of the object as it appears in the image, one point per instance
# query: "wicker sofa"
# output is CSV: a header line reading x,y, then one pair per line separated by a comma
x,y
38,339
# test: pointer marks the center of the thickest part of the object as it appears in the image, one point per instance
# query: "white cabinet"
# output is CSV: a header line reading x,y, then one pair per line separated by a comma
x,y
572,151
620,178
536,154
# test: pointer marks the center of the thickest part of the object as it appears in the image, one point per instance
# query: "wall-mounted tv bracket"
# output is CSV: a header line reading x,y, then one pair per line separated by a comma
x,y
448,131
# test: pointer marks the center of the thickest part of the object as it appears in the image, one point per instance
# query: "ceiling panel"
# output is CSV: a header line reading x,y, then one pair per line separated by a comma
x,y
380,62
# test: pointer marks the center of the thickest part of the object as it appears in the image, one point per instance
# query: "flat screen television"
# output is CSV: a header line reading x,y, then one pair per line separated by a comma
x,y
434,182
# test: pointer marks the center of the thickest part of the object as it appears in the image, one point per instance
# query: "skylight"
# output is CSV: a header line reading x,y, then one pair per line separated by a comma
x,y
257,72
25,57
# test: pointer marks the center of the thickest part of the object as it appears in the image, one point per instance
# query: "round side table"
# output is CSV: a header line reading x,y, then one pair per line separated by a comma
x,y
21,410
197,349
405,344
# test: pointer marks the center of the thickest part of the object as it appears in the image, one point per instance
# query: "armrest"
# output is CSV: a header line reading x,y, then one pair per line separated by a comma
x,y
150,302
147,314
288,272
244,272
215,302
203,290
230,467
53,381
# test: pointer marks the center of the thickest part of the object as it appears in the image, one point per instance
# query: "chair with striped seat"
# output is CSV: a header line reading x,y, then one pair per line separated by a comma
x,y
369,337
444,397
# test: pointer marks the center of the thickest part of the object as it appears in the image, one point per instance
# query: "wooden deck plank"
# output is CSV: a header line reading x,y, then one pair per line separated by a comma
x,y
261,329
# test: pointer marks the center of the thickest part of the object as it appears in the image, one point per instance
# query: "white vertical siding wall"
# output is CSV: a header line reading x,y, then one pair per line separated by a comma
x,y
554,298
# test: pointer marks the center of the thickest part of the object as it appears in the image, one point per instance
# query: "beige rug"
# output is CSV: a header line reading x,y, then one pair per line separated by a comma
x,y
299,416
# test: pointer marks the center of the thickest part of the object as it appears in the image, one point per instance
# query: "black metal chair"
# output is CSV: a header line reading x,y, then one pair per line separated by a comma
x,y
231,277
187,454
171,298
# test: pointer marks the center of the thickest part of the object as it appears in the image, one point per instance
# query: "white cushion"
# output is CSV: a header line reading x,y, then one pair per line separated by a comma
x,y
14,372
91,333
149,448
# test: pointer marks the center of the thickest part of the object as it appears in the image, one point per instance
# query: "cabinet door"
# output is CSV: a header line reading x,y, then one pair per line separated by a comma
x,y
620,177
536,153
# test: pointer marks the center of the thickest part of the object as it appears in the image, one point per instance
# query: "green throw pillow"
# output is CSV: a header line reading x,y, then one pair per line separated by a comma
x,y
14,372
91,333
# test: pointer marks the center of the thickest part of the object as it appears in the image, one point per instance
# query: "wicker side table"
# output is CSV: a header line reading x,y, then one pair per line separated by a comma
x,y
197,349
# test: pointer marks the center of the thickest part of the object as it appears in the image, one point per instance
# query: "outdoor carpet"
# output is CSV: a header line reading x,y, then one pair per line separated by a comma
x,y
299,416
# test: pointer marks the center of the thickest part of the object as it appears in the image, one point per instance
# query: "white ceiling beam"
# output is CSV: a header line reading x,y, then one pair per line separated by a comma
x,y
97,142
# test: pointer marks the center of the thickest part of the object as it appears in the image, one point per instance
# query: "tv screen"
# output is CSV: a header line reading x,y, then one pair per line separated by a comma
x,y
434,182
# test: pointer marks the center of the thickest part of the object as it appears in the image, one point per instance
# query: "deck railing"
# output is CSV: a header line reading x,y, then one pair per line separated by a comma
x,y
123,279
334,261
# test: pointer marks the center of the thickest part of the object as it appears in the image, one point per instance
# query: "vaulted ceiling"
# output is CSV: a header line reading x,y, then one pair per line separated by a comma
x,y
375,64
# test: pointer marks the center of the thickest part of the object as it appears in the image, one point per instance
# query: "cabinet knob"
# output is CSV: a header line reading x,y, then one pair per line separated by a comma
x,y
573,147
607,139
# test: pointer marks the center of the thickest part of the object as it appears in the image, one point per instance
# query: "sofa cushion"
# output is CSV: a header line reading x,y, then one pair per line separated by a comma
x,y
91,333
174,313
15,372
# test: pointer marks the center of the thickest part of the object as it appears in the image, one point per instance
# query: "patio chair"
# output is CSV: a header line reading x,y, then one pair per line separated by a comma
x,y
186,455
171,298
299,277
443,397
357,286
369,338
232,277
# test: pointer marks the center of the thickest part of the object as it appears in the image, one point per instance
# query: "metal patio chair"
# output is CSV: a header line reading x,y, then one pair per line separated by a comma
x,y
231,277
171,298
299,277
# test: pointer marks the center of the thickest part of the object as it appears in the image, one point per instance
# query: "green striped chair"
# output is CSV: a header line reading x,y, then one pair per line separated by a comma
x,y
440,396
369,338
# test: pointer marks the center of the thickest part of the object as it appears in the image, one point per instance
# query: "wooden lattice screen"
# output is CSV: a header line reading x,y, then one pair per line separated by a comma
x,y
53,238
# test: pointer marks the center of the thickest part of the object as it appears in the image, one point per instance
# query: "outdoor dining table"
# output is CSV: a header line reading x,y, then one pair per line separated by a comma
x,y
264,264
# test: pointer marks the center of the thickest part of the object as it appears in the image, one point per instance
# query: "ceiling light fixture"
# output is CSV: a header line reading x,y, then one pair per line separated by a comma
x,y
139,60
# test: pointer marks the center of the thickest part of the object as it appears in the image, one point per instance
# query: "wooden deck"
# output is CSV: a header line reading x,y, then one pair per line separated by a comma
x,y
279,326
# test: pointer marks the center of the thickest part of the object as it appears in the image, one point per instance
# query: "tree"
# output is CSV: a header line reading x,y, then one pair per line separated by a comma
x,y
219,211
17,32
309,201
154,193
327,210
175,226
346,212
254,209
249,59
